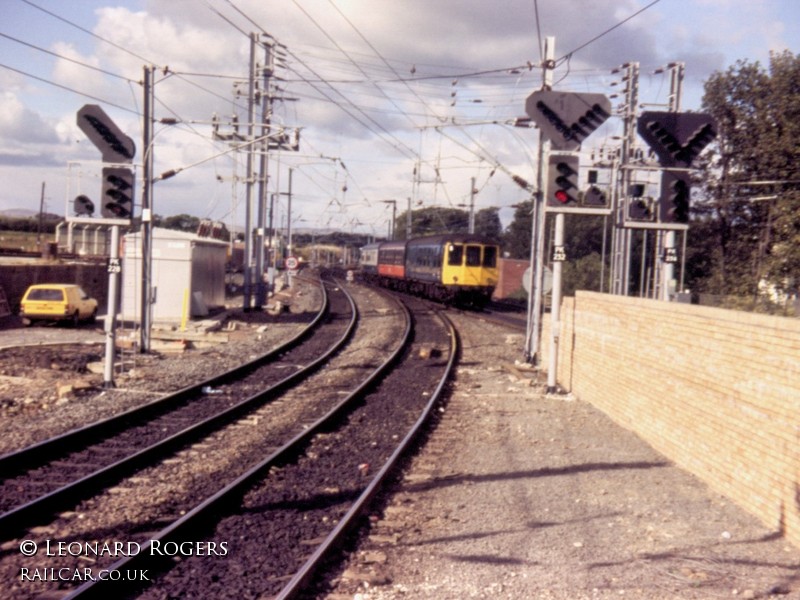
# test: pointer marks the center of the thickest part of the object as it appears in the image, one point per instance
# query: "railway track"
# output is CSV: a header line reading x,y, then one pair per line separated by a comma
x,y
47,476
164,525
282,518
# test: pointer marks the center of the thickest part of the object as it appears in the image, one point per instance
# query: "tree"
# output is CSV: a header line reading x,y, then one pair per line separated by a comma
x,y
745,231
584,243
436,219
487,223
583,240
583,273
182,222
517,236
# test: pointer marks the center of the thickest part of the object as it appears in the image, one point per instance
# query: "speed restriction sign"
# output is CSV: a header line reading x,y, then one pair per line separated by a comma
x,y
291,263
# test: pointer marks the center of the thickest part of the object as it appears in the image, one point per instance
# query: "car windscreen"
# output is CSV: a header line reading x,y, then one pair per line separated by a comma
x,y
46,295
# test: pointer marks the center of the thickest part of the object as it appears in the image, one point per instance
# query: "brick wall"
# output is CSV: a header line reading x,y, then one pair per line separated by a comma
x,y
510,277
714,390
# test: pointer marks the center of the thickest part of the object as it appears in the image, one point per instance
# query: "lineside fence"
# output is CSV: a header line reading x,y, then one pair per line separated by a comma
x,y
716,391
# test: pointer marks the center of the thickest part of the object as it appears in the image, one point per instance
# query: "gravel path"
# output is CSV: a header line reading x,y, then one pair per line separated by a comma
x,y
47,386
515,494
520,495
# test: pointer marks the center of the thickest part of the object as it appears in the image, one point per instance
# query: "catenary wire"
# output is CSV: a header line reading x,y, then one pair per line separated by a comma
x,y
569,54
289,52
399,145
72,60
352,61
114,44
382,58
69,89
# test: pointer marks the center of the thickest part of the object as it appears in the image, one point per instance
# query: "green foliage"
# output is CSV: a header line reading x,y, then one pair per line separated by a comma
x,y
182,222
583,240
583,273
435,219
334,239
517,236
744,230
584,234
341,238
487,223
744,234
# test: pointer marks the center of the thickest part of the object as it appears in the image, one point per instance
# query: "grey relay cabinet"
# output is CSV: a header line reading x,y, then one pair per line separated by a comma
x,y
184,267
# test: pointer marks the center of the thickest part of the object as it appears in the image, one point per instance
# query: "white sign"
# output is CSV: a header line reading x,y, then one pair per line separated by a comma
x,y
547,280
291,263
114,265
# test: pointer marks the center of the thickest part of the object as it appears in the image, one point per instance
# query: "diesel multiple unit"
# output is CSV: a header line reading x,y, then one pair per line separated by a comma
x,y
453,268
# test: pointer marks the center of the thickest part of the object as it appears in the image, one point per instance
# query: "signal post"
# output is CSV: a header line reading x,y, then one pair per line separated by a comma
x,y
116,206
565,119
677,139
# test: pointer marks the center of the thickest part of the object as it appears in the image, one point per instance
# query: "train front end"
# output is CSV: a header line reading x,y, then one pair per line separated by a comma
x,y
470,269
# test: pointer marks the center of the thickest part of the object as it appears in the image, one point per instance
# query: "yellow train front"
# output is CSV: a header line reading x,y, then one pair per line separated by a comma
x,y
453,268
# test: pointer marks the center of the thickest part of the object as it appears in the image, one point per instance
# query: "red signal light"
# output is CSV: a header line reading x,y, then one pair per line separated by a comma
x,y
562,180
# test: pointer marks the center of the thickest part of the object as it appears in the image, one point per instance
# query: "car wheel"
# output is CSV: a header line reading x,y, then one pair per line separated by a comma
x,y
93,317
76,319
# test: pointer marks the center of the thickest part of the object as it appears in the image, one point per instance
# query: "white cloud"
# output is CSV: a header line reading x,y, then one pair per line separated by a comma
x,y
20,125
380,131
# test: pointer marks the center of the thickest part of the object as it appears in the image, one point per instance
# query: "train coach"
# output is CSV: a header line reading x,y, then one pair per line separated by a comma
x,y
453,268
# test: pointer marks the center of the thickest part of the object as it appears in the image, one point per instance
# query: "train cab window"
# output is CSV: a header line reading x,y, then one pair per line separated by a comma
x,y
456,255
473,256
490,256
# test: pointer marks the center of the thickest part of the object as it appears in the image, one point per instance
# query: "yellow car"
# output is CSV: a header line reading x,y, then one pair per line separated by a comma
x,y
57,302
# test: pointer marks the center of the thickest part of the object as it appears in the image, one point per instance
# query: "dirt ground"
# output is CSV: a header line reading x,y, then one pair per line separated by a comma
x,y
522,495
515,494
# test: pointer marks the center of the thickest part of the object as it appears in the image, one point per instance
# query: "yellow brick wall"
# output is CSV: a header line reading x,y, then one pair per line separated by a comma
x,y
716,391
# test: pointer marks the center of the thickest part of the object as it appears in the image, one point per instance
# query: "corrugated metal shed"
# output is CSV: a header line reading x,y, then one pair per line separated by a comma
x,y
184,266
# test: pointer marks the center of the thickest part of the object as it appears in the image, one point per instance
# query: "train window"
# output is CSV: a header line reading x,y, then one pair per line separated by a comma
x,y
456,255
390,257
473,256
490,256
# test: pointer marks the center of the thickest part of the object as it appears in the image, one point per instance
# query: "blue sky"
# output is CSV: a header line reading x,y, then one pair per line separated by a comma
x,y
381,89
